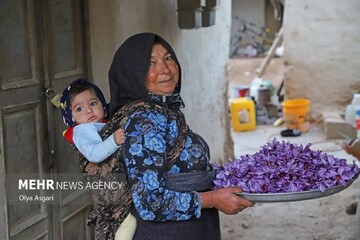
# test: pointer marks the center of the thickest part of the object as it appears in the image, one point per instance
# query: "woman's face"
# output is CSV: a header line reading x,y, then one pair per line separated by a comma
x,y
163,74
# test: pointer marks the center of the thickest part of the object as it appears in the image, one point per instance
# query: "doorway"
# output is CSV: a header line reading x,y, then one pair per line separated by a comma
x,y
43,44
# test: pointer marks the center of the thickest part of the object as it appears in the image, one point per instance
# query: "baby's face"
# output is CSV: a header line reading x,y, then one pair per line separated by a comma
x,y
86,108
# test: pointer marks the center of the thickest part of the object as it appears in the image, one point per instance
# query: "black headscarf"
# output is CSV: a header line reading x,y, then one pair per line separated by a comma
x,y
129,68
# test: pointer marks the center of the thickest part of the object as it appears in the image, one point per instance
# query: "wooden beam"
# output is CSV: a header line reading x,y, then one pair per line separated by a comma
x,y
277,42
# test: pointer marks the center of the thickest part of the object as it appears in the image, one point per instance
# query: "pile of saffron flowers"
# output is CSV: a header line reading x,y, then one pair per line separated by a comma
x,y
282,167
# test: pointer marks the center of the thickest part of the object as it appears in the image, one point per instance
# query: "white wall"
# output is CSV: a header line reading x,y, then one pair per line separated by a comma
x,y
252,11
203,54
322,52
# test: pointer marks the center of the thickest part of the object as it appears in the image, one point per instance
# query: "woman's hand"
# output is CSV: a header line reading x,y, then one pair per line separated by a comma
x,y
119,136
225,200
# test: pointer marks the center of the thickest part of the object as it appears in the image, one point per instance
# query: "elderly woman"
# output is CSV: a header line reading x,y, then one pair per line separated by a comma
x,y
168,165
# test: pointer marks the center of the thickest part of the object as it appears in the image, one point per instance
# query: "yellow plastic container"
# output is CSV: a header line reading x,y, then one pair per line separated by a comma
x,y
296,114
243,114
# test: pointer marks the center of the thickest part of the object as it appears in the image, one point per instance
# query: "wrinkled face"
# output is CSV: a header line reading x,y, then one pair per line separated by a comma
x,y
163,74
86,108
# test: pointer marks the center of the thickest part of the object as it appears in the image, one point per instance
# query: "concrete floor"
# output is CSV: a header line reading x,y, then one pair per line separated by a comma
x,y
241,71
251,141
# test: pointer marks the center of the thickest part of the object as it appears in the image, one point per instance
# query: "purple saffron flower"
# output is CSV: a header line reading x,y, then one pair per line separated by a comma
x,y
285,167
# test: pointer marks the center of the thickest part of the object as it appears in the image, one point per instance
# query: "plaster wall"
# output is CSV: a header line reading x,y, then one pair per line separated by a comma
x,y
322,52
251,11
200,52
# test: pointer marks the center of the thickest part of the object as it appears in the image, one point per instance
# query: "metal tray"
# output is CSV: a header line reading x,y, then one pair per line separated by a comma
x,y
294,196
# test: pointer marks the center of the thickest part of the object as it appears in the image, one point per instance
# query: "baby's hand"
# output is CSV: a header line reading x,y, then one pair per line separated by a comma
x,y
119,136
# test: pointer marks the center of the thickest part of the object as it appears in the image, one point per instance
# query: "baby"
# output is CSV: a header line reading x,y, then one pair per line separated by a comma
x,y
84,110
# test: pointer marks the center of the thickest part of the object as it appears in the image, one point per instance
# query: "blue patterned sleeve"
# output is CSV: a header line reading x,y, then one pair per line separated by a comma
x,y
147,133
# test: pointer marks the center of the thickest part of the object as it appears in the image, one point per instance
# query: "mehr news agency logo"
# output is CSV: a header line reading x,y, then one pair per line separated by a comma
x,y
49,185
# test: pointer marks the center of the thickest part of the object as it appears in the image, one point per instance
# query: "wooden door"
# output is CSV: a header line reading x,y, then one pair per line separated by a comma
x,y
42,44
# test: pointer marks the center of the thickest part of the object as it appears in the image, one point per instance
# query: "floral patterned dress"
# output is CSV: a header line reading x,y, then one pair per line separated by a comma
x,y
166,213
